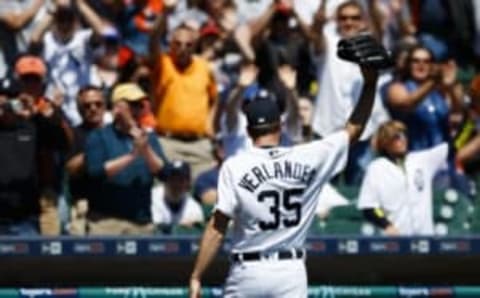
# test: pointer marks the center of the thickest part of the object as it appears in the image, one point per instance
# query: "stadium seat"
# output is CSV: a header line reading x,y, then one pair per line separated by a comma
x,y
343,227
454,210
349,212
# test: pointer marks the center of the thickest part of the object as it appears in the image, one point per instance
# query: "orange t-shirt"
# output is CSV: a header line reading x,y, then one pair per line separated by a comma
x,y
184,98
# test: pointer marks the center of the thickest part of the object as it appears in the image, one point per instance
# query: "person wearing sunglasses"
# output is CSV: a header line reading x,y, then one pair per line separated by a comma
x,y
340,82
122,158
91,105
184,98
425,98
396,192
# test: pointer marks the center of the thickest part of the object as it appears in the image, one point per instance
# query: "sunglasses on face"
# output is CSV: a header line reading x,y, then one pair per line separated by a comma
x,y
96,104
178,43
421,60
355,17
135,104
398,136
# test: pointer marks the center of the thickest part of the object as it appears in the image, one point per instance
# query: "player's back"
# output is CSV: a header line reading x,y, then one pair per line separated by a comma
x,y
272,192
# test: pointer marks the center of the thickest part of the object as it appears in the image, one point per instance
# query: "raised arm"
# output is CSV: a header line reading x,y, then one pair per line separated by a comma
x,y
400,11
157,33
91,17
248,74
359,117
288,77
39,31
315,32
377,19
259,25
398,97
16,20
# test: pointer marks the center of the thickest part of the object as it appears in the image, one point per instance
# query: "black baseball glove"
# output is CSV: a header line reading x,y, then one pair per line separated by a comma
x,y
363,49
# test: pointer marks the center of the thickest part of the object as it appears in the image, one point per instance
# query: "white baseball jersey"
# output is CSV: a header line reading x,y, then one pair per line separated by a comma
x,y
272,193
190,212
405,194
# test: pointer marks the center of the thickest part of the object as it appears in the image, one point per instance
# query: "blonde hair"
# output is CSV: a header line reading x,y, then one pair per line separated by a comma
x,y
385,133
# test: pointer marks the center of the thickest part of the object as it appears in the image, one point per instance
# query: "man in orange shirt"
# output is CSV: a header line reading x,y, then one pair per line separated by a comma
x,y
185,97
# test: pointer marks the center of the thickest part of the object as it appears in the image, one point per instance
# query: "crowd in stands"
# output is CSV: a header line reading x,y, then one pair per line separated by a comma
x,y
115,116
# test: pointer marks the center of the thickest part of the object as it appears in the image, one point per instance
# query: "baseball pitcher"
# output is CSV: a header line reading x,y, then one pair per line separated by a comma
x,y
270,193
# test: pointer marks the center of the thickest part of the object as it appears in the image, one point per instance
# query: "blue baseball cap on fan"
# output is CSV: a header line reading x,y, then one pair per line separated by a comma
x,y
177,168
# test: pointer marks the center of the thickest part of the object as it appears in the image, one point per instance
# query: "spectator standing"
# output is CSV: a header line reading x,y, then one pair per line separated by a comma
x,y
340,83
67,50
185,98
91,104
407,175
55,133
19,189
172,204
29,138
124,159
17,22
425,98
281,37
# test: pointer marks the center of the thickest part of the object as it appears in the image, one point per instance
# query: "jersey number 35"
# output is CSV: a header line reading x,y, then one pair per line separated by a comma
x,y
277,200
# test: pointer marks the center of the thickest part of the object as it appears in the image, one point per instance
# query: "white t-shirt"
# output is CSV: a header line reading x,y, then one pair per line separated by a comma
x,y
190,212
69,66
272,193
340,84
405,194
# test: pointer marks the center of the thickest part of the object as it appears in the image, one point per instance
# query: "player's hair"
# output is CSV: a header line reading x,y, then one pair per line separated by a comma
x,y
264,129
348,3
385,133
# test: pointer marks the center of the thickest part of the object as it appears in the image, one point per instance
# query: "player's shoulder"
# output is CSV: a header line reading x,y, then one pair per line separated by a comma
x,y
236,160
339,138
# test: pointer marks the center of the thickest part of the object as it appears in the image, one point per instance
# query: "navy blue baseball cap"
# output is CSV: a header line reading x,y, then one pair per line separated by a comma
x,y
262,111
177,168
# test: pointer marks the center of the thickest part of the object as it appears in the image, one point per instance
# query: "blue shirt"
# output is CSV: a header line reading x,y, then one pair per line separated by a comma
x,y
126,195
205,181
427,124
